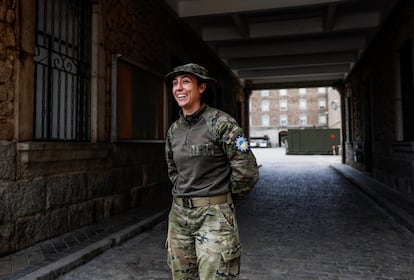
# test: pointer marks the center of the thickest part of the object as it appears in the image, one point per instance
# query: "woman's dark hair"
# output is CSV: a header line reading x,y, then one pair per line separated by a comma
x,y
208,94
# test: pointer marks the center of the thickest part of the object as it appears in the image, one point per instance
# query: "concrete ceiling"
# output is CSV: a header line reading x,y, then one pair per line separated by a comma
x,y
276,43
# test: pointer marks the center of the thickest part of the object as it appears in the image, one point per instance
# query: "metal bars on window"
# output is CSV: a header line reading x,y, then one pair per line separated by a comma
x,y
62,70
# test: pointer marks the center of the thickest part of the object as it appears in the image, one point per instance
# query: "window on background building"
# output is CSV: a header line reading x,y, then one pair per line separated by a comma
x,y
321,90
283,105
63,70
265,120
282,92
283,120
322,120
322,103
302,104
265,93
265,106
302,91
303,120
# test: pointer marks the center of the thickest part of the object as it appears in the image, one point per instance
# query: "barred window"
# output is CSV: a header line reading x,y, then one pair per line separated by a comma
x,y
62,70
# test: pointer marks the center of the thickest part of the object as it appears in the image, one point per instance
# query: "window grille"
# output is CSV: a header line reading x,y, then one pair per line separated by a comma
x,y
62,70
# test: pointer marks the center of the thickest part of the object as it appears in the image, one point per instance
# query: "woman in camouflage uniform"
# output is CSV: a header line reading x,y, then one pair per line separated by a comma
x,y
210,165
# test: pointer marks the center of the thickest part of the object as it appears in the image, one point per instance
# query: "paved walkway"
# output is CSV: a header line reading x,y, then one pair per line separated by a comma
x,y
51,258
302,221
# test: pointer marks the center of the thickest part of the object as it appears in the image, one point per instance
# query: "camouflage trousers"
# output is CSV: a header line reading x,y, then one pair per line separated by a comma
x,y
203,243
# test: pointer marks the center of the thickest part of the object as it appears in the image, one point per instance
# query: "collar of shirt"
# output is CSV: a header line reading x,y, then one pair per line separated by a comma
x,y
194,117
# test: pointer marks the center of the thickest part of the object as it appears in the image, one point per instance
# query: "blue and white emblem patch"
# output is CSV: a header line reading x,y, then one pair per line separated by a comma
x,y
242,144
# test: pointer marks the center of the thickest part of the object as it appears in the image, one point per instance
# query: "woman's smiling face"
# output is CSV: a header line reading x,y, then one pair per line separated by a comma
x,y
187,92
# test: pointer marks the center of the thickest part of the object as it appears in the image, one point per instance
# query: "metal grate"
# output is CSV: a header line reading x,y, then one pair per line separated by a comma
x,y
62,70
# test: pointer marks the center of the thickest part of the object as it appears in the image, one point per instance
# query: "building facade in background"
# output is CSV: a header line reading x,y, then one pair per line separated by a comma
x,y
273,112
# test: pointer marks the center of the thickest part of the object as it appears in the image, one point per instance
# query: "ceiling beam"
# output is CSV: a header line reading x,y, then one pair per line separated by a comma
x,y
308,78
329,17
293,47
303,26
357,21
297,71
278,84
286,27
241,26
210,7
292,61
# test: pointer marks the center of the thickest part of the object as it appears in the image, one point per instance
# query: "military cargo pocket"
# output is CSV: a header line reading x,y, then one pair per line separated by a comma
x,y
227,214
230,264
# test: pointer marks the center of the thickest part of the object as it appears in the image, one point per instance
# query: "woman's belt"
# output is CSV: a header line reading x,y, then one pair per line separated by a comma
x,y
193,202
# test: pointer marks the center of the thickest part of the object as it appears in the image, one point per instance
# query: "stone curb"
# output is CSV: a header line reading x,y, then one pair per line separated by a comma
x,y
392,201
61,266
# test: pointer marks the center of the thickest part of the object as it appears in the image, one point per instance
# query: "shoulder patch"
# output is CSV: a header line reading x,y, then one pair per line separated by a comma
x,y
241,143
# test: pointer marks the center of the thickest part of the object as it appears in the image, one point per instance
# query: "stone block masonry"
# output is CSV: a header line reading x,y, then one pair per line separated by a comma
x,y
7,59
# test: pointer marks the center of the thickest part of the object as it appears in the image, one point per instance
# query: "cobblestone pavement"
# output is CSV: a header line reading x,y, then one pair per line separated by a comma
x,y
302,221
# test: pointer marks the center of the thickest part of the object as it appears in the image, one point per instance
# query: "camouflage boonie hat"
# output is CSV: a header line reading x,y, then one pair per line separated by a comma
x,y
190,68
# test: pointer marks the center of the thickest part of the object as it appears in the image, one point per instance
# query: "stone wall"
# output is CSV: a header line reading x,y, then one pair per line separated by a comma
x,y
7,58
47,188
373,85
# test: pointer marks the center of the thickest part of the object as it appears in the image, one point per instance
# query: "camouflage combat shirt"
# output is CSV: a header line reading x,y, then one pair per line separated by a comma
x,y
207,154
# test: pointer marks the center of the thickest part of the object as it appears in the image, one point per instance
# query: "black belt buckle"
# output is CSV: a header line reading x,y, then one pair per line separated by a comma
x,y
187,202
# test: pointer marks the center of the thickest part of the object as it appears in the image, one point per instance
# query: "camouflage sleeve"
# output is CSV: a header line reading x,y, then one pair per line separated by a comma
x,y
171,167
243,163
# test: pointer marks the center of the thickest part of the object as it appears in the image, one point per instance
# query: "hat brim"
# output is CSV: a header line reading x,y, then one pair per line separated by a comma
x,y
173,74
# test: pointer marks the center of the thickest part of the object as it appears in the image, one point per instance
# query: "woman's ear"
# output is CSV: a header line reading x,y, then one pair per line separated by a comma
x,y
202,87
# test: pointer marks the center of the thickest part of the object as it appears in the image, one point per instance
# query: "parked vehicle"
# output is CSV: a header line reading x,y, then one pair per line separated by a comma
x,y
260,142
